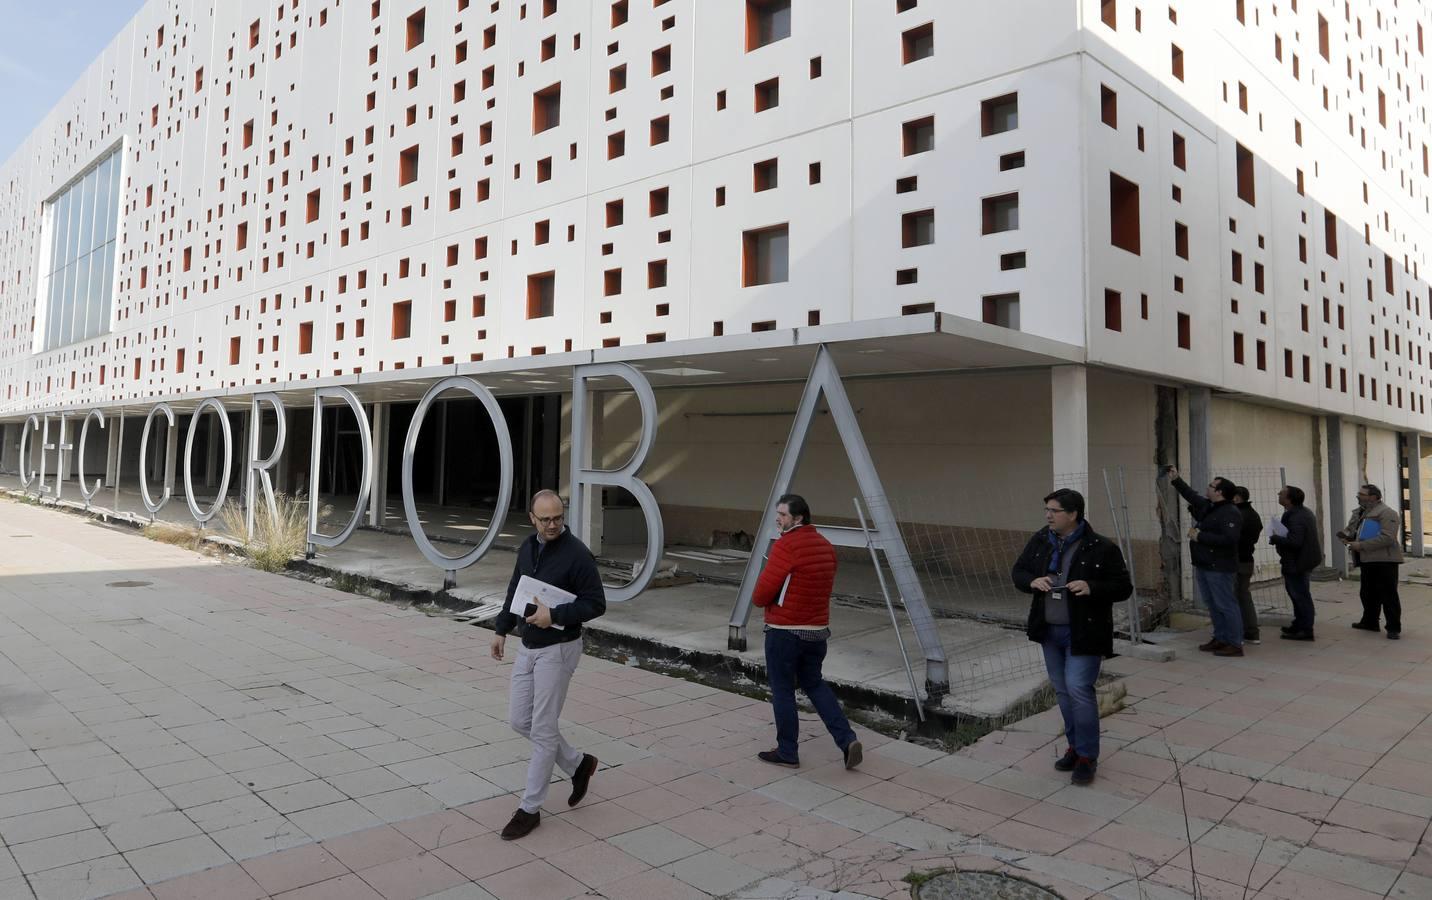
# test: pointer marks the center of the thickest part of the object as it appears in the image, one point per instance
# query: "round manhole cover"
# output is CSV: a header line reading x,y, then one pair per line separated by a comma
x,y
129,584
982,886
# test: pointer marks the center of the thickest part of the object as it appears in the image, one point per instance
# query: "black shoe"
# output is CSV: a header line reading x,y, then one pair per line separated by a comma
x,y
1066,762
1251,639
1297,636
1211,646
1394,635
521,824
581,778
775,758
854,753
1288,629
1366,626
1084,769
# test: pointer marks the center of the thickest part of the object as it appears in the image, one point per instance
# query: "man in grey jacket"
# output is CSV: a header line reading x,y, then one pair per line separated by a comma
x,y
1374,535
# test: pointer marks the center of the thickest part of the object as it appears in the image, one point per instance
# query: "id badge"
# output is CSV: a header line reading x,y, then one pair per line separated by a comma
x,y
1057,594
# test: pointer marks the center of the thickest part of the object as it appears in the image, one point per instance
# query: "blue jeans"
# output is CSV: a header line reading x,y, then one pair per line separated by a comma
x,y
1217,591
1296,584
1073,677
791,661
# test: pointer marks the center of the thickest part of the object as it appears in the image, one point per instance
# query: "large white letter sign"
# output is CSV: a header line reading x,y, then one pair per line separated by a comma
x,y
80,457
584,476
451,564
258,468
202,516
27,472
61,447
149,503
824,377
365,436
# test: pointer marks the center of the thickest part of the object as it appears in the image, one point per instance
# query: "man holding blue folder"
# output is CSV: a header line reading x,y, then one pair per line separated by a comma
x,y
1374,536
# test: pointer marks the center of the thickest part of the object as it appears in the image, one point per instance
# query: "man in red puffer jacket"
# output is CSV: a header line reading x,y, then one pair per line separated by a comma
x,y
794,590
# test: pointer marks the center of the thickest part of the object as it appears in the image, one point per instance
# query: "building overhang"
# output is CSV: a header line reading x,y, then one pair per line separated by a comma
x,y
922,344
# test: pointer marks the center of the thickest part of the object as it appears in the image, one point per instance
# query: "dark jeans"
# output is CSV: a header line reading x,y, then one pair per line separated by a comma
x,y
1073,677
1378,593
1299,591
791,661
1245,601
1217,591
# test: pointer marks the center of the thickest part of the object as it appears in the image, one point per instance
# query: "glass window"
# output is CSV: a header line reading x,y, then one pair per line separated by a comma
x,y
83,223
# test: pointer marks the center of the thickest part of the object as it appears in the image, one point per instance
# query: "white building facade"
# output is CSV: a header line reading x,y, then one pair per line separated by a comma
x,y
1042,238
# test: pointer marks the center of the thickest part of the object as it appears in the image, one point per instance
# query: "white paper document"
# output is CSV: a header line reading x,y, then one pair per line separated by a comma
x,y
1276,528
530,591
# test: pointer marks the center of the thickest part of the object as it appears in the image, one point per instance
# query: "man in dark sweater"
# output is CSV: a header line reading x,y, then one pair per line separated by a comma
x,y
1247,547
1076,577
1300,552
551,649
1213,547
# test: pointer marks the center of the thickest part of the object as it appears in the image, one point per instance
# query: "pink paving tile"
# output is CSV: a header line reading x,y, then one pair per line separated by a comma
x,y
1020,836
346,887
228,882
1398,826
440,829
936,784
1109,858
1291,884
956,817
605,819
484,855
1191,802
767,853
658,804
651,885
596,864
1061,819
412,877
1290,800
895,797
610,784
136,894
812,832
708,827
1211,781
992,800
371,847
704,788
492,813
296,868
553,835
536,880
1360,844
1271,822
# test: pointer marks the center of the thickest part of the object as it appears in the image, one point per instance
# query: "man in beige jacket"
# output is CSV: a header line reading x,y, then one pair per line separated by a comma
x,y
1374,535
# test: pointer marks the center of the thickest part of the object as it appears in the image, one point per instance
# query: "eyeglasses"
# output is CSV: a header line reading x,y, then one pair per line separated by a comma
x,y
548,520
1054,509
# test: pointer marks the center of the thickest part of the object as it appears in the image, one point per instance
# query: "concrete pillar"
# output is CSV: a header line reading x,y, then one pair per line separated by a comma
x,y
1337,492
171,453
1069,393
592,513
1200,438
111,454
1412,442
245,424
211,456
378,500
442,452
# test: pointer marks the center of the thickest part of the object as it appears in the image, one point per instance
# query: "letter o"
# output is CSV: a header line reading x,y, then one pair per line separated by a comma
x,y
149,503
27,474
80,456
504,492
199,515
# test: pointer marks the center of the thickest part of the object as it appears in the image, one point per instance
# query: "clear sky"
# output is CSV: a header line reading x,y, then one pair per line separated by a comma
x,y
44,47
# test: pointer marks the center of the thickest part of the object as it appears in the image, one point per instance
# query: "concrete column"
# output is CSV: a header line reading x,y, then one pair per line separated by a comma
x,y
211,457
378,501
111,454
442,452
1337,492
1200,438
1412,441
171,453
245,426
592,513
1069,393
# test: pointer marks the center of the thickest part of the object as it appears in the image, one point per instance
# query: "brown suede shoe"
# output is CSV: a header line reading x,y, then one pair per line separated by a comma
x,y
521,824
581,778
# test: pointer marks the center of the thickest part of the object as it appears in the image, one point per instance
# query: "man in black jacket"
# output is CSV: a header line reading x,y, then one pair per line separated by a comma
x,y
1300,552
551,649
1076,576
1247,547
1213,546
